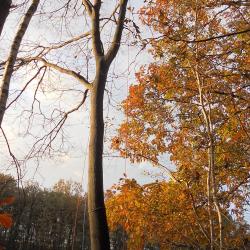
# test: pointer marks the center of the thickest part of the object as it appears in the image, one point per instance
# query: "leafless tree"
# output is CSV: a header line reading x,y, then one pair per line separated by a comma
x,y
9,65
46,60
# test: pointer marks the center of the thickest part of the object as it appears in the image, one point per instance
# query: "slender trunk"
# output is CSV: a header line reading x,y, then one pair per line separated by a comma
x,y
9,66
210,173
212,186
4,12
96,209
214,190
220,221
99,233
200,89
209,204
211,154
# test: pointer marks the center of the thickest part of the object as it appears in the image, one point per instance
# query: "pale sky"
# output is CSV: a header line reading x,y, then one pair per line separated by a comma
x,y
72,164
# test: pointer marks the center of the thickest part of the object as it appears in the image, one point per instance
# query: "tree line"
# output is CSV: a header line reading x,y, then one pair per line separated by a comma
x,y
45,218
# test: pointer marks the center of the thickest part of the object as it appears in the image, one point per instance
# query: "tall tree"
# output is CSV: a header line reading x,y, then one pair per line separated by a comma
x,y
192,103
102,59
99,233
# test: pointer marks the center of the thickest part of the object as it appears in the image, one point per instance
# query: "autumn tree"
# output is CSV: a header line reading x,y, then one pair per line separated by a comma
x,y
193,102
160,215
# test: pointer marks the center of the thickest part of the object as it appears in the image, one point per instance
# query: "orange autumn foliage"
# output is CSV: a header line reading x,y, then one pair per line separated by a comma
x,y
192,103
163,110
161,214
5,218
7,201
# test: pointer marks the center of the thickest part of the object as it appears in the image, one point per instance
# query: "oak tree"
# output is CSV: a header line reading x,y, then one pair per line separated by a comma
x,y
193,101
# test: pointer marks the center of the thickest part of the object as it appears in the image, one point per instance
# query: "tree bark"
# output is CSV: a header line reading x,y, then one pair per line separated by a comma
x,y
99,233
4,12
211,183
210,209
9,66
213,180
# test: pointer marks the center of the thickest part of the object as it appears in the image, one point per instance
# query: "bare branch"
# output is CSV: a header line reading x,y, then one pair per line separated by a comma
x,y
15,160
26,85
45,143
118,33
65,43
88,5
4,91
72,73
210,38
96,34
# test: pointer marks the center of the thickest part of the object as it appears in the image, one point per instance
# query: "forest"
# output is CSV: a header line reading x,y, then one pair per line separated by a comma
x,y
124,125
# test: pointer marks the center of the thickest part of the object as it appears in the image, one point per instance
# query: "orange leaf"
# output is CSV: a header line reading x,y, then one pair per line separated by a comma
x,y
7,201
6,220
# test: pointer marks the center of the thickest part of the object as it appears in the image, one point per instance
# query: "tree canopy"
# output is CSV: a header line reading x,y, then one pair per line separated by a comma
x,y
193,102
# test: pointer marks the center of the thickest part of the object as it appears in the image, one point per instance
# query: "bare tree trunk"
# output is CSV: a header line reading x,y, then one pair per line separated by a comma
x,y
9,66
97,214
4,12
99,233
209,204
213,180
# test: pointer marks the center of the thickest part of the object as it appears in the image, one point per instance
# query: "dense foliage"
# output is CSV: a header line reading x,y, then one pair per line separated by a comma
x,y
162,215
193,103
